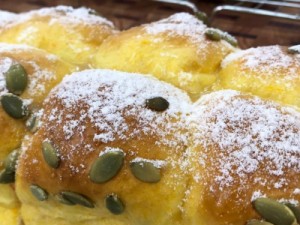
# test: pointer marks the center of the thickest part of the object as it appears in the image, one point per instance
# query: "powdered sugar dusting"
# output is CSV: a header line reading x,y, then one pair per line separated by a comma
x,y
249,134
5,64
107,98
110,149
157,163
67,15
179,24
37,78
6,18
266,61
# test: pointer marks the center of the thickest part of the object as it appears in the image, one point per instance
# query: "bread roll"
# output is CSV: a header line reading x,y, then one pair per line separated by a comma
x,y
26,76
177,50
72,34
117,142
43,71
270,72
243,148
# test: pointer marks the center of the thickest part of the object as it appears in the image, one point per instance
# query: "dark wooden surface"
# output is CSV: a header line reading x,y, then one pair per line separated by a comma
x,y
250,30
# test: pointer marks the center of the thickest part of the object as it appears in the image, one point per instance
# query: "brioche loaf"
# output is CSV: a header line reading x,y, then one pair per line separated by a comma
x,y
220,147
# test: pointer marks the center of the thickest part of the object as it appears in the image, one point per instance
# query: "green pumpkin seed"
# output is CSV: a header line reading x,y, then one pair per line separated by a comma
x,y
114,204
16,79
11,161
294,49
6,178
50,154
145,171
217,35
202,16
63,200
295,209
230,39
213,34
94,12
14,106
76,198
274,212
106,166
32,123
157,104
258,222
39,192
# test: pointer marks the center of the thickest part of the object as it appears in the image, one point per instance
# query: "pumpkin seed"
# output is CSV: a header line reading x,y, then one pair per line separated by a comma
x,y
201,16
274,212
157,104
63,200
294,49
39,192
76,198
258,222
50,155
11,161
16,79
94,12
217,35
114,204
145,171
6,178
32,123
106,166
295,209
14,106
230,39
213,34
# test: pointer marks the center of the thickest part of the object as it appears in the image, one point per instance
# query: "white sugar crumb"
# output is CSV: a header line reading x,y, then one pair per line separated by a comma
x,y
179,24
297,191
6,18
5,64
256,195
292,201
110,149
266,61
157,163
250,134
108,98
67,15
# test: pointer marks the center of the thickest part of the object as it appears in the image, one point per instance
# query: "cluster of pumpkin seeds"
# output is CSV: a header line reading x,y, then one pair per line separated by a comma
x,y
294,49
16,80
217,35
110,163
104,168
275,213
7,175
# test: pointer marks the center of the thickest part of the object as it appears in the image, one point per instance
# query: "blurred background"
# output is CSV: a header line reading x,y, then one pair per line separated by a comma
x,y
253,22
